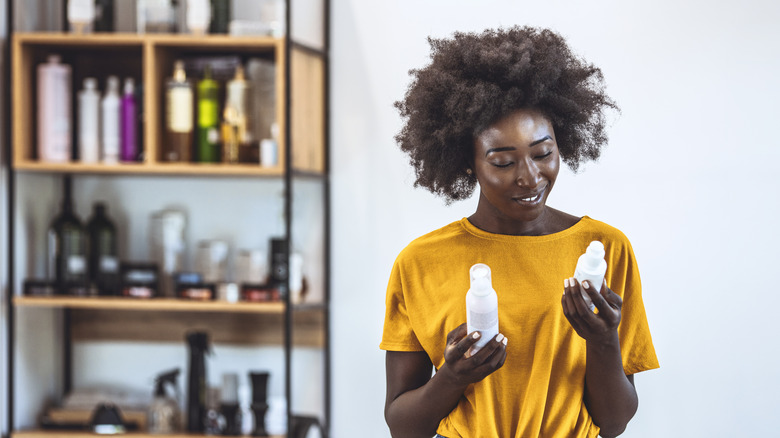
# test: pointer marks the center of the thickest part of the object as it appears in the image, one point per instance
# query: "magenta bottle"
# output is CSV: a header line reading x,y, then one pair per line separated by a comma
x,y
129,134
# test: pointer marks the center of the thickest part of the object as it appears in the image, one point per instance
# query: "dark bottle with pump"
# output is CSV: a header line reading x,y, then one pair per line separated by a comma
x,y
198,343
67,248
103,253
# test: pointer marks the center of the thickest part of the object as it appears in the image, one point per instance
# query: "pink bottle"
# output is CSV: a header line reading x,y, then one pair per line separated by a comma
x,y
54,113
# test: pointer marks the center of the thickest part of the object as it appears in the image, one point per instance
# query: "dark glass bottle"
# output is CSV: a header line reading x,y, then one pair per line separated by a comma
x,y
104,15
67,248
103,251
198,343
220,16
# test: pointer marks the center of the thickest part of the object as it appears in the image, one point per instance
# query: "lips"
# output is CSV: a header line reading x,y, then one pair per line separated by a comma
x,y
531,199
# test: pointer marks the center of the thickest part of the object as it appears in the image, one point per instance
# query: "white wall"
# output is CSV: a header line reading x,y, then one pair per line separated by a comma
x,y
688,176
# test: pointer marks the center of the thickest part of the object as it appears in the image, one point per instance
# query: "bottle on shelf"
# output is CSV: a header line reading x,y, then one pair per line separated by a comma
x,y
129,110
104,15
179,97
110,108
198,16
89,122
198,345
81,14
67,248
220,16
208,118
54,116
235,129
103,252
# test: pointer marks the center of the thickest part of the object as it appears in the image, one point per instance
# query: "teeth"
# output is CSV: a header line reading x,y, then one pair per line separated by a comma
x,y
529,199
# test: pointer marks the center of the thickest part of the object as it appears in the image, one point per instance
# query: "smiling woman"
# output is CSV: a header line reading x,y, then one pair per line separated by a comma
x,y
500,110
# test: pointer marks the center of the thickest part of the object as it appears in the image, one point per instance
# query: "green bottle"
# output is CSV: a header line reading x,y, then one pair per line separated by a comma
x,y
208,119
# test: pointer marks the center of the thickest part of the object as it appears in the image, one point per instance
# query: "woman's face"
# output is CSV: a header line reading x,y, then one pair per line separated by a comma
x,y
516,162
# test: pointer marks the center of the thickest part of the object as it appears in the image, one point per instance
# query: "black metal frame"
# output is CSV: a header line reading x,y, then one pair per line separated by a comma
x,y
289,310
289,174
11,197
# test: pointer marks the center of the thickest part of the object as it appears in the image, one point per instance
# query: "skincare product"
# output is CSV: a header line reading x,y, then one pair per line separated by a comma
x,y
110,121
211,260
139,280
198,16
591,266
229,406
81,13
89,122
208,118
198,343
179,101
155,16
104,15
168,245
67,248
235,126
54,116
220,16
129,122
481,306
163,417
259,405
103,252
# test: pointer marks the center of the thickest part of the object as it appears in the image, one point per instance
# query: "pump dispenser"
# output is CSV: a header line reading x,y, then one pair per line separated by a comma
x,y
481,306
592,267
163,416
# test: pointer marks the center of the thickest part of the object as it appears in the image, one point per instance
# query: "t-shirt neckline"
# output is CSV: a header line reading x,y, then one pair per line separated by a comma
x,y
472,229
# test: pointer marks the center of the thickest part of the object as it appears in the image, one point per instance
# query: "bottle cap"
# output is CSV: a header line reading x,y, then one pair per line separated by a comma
x,y
481,282
129,86
594,254
90,83
112,84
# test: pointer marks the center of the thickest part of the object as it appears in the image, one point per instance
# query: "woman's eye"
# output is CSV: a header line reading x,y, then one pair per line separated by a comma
x,y
502,165
542,157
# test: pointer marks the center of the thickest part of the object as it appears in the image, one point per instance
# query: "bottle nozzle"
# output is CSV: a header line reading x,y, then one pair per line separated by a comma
x,y
481,282
595,254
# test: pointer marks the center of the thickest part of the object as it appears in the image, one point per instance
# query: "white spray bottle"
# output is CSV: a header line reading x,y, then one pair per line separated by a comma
x,y
481,306
592,267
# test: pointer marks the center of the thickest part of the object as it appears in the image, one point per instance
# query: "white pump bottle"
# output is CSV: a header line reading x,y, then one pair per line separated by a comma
x,y
481,306
592,267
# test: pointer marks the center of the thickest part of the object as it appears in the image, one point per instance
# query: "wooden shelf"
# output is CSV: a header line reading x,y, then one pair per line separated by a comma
x,y
71,40
85,434
204,169
153,304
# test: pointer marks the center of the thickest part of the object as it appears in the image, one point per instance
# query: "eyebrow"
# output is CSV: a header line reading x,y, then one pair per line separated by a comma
x,y
512,148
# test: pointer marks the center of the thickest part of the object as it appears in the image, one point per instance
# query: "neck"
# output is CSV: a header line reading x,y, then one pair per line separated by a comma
x,y
489,219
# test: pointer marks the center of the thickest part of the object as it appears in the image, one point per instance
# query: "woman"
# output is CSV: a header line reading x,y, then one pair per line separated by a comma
x,y
501,109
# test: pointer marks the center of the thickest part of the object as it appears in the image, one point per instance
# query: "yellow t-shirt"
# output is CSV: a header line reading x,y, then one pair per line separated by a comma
x,y
539,392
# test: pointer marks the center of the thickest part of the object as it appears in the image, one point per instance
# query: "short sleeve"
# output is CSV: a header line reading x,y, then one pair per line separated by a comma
x,y
398,334
636,344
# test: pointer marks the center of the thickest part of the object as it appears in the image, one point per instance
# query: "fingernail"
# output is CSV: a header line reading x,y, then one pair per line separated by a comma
x,y
475,335
586,284
499,337
505,339
566,283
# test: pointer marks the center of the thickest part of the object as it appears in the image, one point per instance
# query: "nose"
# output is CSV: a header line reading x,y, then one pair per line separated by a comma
x,y
528,174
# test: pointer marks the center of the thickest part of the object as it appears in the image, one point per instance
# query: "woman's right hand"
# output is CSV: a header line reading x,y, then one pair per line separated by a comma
x,y
464,369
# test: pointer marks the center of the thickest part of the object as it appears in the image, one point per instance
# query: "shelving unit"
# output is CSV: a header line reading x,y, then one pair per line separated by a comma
x,y
301,77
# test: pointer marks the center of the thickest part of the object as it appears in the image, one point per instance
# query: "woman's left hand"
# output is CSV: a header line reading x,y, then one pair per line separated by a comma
x,y
593,327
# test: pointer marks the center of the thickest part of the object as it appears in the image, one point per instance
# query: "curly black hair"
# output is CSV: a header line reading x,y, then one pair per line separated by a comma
x,y
475,79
